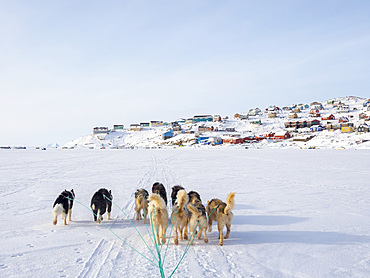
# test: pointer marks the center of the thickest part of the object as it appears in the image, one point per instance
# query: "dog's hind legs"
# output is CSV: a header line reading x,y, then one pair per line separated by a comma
x,y
186,232
163,232
228,226
181,230
205,235
176,237
108,216
209,225
221,236
144,216
137,214
100,218
64,216
55,220
69,215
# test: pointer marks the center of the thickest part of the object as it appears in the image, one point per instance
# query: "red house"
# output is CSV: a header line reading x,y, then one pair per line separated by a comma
x,y
268,134
237,141
315,122
282,135
343,120
327,118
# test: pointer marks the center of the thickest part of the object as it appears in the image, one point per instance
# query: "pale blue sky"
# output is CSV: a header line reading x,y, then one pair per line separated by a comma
x,y
67,66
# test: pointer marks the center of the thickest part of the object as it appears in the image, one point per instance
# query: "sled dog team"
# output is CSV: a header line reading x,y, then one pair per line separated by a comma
x,y
187,211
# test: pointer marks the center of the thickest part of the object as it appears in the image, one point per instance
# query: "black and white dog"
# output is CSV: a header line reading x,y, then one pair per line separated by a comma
x,y
159,189
63,206
100,204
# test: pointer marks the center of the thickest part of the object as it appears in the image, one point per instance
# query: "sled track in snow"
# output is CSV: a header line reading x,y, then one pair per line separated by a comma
x,y
97,259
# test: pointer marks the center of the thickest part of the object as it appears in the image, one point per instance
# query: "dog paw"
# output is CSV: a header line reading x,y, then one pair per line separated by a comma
x,y
186,237
220,244
54,222
226,237
206,240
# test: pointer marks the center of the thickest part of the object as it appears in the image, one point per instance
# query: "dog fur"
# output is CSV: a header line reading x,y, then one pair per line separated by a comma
x,y
179,217
141,203
194,197
175,190
100,204
159,189
197,217
63,206
219,211
158,216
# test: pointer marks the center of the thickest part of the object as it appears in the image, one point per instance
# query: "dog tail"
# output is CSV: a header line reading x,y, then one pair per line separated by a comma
x,y
182,199
157,200
230,204
192,209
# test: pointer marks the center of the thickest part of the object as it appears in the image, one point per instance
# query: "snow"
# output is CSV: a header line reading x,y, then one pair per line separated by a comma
x,y
298,213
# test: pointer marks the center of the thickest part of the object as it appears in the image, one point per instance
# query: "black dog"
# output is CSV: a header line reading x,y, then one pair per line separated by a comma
x,y
63,206
175,189
160,190
100,204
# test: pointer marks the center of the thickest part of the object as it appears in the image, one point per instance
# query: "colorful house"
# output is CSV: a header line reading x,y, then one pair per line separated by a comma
x,y
317,128
100,130
316,105
347,129
145,124
156,123
362,128
203,128
135,127
202,118
343,108
118,127
216,118
167,135
282,135
256,122
328,117
343,120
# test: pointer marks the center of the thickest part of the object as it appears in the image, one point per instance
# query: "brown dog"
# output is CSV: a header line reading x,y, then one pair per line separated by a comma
x,y
158,216
221,212
141,203
179,217
197,219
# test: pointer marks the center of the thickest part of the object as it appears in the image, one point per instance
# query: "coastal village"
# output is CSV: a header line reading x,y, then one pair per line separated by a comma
x,y
338,123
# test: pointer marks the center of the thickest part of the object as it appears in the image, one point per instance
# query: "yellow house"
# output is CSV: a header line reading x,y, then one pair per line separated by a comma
x,y
347,129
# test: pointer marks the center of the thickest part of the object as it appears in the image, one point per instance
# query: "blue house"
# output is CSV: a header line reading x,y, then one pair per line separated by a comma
x,y
202,118
202,139
317,128
167,135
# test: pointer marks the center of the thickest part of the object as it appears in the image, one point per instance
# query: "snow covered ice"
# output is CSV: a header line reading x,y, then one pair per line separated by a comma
x,y
299,213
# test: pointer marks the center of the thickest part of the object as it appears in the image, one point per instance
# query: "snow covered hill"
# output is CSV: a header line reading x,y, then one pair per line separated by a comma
x,y
331,124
